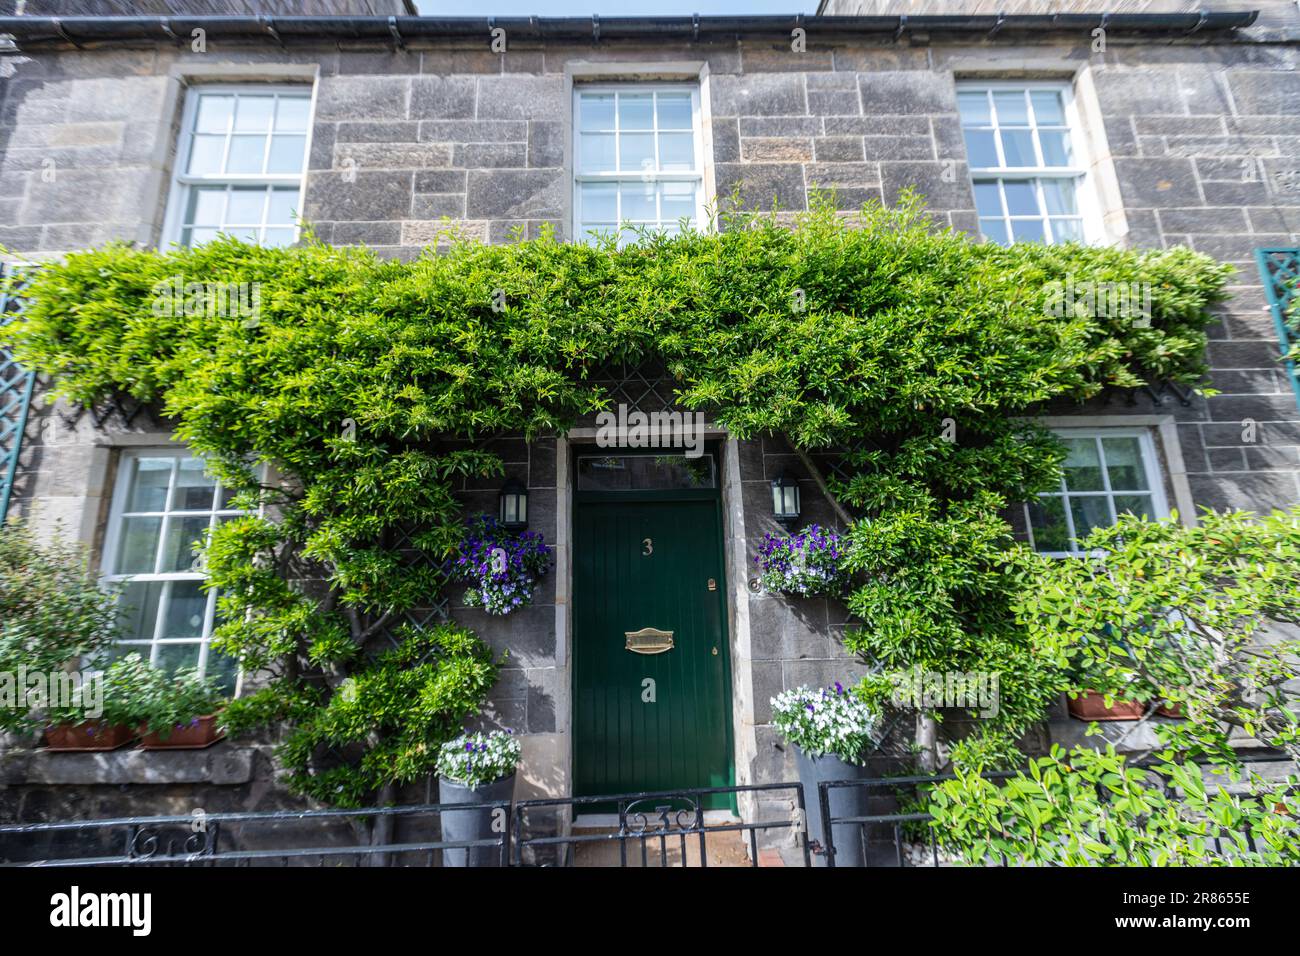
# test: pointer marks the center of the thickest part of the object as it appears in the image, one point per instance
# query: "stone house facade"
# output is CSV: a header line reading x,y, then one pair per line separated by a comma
x,y
1165,128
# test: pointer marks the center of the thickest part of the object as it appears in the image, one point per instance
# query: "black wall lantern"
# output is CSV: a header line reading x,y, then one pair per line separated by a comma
x,y
514,505
785,499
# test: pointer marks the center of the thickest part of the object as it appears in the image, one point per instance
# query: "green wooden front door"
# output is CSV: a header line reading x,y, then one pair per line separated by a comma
x,y
650,721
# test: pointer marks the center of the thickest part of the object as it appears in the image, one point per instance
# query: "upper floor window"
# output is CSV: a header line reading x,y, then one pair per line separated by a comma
x,y
1107,472
638,160
1025,161
239,165
163,504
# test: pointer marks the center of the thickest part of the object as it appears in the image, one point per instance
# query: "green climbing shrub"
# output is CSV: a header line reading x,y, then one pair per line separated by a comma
x,y
375,388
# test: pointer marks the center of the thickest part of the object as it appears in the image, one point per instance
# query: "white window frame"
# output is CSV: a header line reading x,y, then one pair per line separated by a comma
x,y
1150,462
182,182
579,177
112,537
1085,189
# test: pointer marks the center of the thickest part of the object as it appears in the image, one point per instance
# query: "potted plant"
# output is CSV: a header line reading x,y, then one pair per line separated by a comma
x,y
1091,705
832,730
502,566
475,770
104,724
181,712
53,614
805,564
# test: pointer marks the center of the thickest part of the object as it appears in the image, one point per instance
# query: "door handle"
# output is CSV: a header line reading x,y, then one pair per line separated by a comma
x,y
648,640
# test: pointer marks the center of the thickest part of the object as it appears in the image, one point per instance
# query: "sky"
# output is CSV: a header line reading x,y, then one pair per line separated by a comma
x,y
611,8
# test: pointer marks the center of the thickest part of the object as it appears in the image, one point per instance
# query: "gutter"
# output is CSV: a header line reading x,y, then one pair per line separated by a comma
x,y
79,31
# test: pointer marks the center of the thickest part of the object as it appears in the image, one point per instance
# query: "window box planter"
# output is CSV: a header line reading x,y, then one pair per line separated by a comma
x,y
1090,705
201,733
89,735
1167,710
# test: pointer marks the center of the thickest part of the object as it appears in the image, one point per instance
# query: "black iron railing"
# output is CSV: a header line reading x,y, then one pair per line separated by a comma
x,y
283,838
667,828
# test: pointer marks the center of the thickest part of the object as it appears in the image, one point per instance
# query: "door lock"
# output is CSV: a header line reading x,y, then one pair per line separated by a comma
x,y
713,585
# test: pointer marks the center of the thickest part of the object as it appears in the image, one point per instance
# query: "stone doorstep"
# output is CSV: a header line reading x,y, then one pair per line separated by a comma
x,y
222,764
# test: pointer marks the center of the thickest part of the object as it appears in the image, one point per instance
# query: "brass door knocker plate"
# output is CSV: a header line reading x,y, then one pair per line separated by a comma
x,y
649,640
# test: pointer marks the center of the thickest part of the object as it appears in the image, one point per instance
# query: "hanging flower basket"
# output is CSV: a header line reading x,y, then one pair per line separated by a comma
x,y
806,563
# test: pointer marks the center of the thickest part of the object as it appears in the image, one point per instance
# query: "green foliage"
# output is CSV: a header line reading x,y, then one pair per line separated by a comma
x,y
1163,612
375,388
52,611
1091,808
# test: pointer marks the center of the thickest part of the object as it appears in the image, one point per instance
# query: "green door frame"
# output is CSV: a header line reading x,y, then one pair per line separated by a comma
x,y
714,495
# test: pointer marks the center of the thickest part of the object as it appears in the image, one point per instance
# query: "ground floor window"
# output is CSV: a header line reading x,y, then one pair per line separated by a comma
x,y
163,504
1107,472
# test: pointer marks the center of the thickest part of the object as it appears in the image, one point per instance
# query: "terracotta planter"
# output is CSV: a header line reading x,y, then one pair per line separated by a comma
x,y
202,733
87,736
1091,705
1176,711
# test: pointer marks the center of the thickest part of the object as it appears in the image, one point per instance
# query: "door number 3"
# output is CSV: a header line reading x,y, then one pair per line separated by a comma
x,y
647,547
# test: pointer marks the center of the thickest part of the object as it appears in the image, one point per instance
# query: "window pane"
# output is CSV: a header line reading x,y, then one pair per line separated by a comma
x,y
245,154
677,200
291,113
253,114
194,489
246,204
635,111
1056,147
224,670
1027,230
172,657
286,154
1139,505
278,237
1067,230
1022,200
994,230
213,114
284,206
597,152
1082,466
1124,464
980,148
974,108
674,111
1018,148
1048,110
139,607
1047,519
597,111
644,472
638,202
636,151
206,206
599,202
1011,108
205,155
138,547
186,608
677,152
1088,513
197,237
182,533
987,200
1058,194
149,479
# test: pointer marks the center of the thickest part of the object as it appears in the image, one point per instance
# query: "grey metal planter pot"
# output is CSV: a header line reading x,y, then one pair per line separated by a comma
x,y
844,802
472,824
